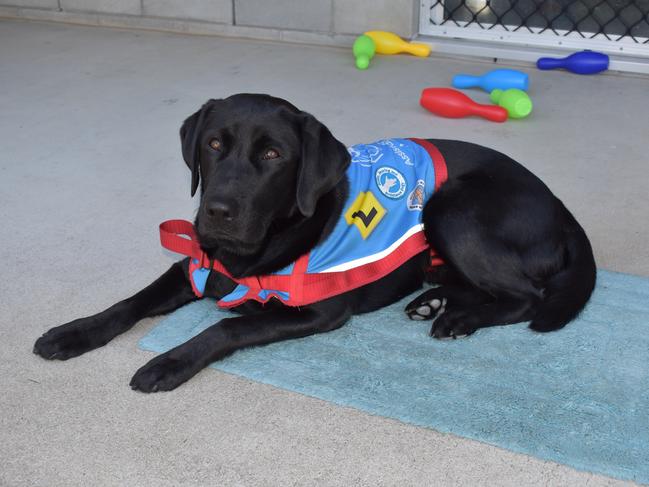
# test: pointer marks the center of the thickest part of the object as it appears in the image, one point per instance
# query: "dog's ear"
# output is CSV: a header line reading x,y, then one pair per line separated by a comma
x,y
323,165
189,138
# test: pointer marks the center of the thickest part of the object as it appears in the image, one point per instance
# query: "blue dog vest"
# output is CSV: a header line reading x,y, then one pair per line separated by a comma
x,y
380,228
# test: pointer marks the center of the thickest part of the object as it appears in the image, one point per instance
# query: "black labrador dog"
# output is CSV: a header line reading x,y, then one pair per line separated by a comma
x,y
273,179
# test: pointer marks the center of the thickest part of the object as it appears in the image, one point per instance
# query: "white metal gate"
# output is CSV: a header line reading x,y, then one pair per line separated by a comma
x,y
617,27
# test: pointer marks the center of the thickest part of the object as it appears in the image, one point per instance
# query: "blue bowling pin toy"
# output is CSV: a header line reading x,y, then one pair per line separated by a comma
x,y
501,79
583,62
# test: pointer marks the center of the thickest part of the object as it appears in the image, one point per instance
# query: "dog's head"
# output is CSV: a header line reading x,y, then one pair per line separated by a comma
x,y
261,163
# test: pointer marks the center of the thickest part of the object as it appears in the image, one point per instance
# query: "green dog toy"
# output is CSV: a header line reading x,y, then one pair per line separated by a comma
x,y
515,101
364,49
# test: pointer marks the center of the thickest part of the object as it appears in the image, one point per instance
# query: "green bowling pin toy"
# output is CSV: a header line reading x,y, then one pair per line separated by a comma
x,y
364,49
515,101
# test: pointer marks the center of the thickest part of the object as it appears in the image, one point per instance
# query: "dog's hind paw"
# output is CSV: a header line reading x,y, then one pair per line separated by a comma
x,y
427,306
452,325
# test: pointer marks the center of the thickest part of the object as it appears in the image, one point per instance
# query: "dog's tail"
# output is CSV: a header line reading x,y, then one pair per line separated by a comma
x,y
567,292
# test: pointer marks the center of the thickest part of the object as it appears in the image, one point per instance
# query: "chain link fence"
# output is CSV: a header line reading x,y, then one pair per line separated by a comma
x,y
609,20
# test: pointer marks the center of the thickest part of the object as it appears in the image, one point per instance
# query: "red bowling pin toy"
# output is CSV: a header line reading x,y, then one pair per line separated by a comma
x,y
451,103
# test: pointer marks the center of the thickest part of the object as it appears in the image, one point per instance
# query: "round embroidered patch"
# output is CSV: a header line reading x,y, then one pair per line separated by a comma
x,y
390,182
416,196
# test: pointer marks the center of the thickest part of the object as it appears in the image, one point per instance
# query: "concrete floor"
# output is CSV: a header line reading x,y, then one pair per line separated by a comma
x,y
90,164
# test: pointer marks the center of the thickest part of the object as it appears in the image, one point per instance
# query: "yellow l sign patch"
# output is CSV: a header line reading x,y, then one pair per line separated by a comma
x,y
365,212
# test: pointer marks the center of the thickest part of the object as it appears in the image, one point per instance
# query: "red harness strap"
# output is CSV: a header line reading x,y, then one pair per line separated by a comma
x,y
171,238
439,163
179,236
441,175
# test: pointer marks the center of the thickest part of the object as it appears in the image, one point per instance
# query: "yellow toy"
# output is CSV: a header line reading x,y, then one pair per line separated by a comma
x,y
389,43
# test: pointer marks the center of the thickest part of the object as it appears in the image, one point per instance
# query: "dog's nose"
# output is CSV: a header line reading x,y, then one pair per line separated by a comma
x,y
219,210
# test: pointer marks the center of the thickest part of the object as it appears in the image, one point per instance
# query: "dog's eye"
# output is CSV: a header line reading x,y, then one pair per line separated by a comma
x,y
270,154
215,144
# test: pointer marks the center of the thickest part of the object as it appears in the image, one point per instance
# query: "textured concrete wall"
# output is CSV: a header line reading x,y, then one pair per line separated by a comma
x,y
329,21
219,11
400,16
311,15
130,7
45,4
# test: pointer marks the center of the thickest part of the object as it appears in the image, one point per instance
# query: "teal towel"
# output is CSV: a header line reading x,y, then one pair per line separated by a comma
x,y
579,396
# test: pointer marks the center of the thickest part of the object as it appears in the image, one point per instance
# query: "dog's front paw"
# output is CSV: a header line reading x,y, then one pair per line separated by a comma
x,y
163,373
451,325
66,341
